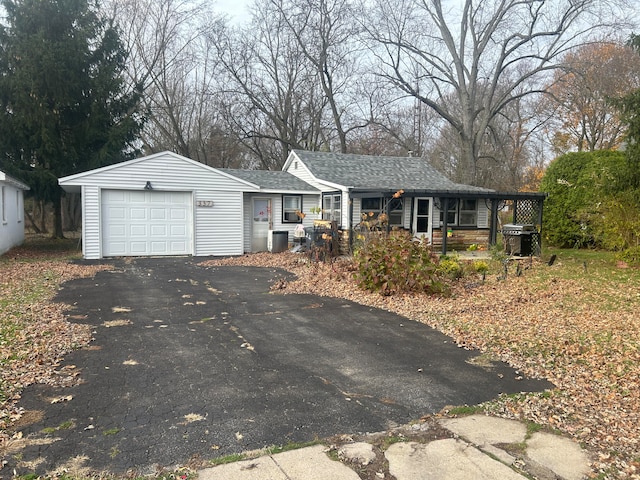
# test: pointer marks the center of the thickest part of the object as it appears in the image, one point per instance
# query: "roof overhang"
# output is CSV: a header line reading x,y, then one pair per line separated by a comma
x,y
483,194
13,182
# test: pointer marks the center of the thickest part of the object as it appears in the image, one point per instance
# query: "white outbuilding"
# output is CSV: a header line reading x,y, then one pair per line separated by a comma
x,y
11,212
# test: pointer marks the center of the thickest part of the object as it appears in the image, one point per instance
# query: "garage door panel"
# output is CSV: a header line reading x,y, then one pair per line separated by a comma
x,y
178,230
146,223
137,197
178,213
178,246
117,213
139,231
138,213
161,231
158,213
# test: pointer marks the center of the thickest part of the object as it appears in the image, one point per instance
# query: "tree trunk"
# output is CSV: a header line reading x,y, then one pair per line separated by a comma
x,y
43,216
57,217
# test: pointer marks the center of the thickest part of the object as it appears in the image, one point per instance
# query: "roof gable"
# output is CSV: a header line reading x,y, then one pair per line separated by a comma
x,y
376,172
79,178
14,182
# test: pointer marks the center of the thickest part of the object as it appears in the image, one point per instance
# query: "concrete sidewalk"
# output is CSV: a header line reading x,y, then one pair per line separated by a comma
x,y
479,448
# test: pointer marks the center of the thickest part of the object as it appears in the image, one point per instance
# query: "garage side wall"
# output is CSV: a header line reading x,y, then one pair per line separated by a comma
x,y
91,220
218,220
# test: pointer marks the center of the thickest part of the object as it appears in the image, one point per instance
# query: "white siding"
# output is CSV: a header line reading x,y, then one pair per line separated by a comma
x,y
483,214
435,220
217,230
11,221
308,201
91,221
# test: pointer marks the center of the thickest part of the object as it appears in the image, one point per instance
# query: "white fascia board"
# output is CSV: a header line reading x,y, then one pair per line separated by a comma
x,y
292,156
75,180
291,192
335,186
13,182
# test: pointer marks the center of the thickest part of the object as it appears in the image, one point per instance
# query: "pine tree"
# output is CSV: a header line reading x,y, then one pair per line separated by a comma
x,y
64,104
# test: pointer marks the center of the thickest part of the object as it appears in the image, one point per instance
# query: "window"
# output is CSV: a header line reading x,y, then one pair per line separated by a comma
x,y
393,206
2,204
332,207
291,204
468,212
463,212
452,216
19,204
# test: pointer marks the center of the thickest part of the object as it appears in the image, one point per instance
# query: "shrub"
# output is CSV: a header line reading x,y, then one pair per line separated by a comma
x,y
630,256
576,183
450,266
396,263
480,266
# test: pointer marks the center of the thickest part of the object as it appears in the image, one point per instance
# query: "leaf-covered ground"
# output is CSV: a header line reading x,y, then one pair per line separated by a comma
x,y
34,333
576,323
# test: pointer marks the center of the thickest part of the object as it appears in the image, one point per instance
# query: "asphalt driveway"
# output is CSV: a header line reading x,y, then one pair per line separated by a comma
x,y
194,362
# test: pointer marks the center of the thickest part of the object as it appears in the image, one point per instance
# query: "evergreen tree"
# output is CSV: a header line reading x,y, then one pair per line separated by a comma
x,y
630,108
64,104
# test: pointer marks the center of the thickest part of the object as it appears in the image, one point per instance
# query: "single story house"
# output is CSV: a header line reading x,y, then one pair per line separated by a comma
x,y
166,204
11,212
353,185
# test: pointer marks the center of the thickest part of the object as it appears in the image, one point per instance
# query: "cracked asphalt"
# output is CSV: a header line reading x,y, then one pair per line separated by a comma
x,y
192,363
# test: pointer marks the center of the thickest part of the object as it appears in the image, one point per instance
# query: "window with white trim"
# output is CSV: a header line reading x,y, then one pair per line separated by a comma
x,y
332,207
291,206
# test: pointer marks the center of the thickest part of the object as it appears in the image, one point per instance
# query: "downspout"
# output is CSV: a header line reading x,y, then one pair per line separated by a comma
x,y
350,226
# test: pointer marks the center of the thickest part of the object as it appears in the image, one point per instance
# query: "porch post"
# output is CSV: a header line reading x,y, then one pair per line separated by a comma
x,y
493,228
445,209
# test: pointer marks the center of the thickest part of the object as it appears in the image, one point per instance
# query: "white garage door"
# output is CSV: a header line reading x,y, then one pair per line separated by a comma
x,y
146,222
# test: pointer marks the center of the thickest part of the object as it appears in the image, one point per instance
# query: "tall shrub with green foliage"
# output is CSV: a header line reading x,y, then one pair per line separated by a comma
x,y
396,263
579,184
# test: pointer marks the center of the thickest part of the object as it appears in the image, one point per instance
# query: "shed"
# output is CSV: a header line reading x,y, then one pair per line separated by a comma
x,y
11,212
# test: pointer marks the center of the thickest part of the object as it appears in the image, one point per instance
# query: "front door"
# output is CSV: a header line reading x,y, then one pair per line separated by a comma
x,y
422,218
260,224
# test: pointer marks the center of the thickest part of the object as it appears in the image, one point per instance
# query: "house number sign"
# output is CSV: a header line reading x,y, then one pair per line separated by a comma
x,y
204,203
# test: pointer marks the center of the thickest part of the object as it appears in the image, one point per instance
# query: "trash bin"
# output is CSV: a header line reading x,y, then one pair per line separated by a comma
x,y
518,239
279,241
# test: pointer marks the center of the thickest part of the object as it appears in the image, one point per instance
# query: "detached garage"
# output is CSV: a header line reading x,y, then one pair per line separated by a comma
x,y
162,204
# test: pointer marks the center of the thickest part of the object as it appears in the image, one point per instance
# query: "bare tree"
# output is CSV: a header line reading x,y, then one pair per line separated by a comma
x,y
487,53
169,54
328,38
273,101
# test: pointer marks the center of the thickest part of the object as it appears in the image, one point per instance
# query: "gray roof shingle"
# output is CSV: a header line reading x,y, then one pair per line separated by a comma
x,y
271,179
379,172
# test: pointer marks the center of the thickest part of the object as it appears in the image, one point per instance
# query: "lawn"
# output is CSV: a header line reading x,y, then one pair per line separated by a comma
x,y
34,334
575,323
